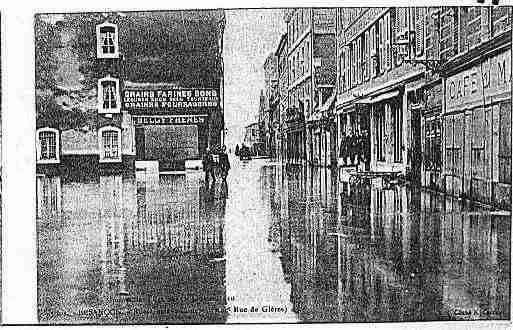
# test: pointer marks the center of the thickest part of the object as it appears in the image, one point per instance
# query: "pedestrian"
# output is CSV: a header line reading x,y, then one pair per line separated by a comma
x,y
237,150
343,147
224,163
208,166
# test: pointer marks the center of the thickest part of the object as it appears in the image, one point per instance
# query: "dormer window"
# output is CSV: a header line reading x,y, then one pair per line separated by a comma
x,y
107,40
109,140
47,146
108,95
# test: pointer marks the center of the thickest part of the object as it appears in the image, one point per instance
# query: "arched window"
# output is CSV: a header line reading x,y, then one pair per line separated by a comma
x,y
109,139
47,146
107,40
108,95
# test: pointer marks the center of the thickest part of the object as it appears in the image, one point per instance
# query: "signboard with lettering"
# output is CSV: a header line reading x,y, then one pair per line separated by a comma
x,y
170,100
479,84
170,120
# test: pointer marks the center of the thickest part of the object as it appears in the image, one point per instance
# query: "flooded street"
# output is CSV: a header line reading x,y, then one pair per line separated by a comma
x,y
273,244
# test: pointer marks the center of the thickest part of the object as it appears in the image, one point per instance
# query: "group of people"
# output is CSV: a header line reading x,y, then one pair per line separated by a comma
x,y
242,152
216,164
354,147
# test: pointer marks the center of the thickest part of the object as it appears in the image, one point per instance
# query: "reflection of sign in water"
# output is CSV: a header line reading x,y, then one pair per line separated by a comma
x,y
169,120
483,81
168,100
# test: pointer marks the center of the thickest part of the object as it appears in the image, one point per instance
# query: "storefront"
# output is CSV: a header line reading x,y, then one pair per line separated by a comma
x,y
431,133
295,136
172,126
477,130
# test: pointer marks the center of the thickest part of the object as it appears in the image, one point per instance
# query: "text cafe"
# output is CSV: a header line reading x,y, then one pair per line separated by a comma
x,y
477,126
171,125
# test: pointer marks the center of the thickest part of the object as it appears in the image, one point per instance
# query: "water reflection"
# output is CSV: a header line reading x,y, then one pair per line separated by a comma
x,y
364,251
131,250
315,248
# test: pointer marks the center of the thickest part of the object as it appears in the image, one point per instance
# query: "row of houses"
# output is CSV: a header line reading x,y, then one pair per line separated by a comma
x,y
424,92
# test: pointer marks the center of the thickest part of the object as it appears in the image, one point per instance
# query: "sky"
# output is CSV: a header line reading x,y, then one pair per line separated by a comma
x,y
249,37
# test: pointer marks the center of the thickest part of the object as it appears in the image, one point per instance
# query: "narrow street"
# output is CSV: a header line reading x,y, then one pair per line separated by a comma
x,y
272,245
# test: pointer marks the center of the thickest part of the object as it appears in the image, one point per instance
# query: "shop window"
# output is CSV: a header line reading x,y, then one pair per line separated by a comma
x,y
432,146
110,144
47,151
107,40
505,143
397,122
108,95
380,133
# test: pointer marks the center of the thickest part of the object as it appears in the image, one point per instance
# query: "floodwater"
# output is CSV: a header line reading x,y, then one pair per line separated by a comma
x,y
272,244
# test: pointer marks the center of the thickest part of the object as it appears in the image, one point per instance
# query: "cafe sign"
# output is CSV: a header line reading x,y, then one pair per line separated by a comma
x,y
169,100
490,78
169,120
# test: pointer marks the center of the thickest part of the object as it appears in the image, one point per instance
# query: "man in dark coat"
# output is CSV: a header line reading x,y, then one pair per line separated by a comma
x,y
224,163
208,166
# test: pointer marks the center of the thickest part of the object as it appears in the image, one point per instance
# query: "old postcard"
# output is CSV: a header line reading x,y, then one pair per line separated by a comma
x,y
274,165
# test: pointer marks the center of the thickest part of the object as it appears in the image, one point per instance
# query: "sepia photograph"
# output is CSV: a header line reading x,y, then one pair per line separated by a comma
x,y
274,165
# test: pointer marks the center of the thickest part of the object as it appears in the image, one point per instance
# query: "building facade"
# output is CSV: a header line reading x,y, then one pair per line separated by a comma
x,y
282,94
132,115
476,113
377,86
425,92
270,106
310,38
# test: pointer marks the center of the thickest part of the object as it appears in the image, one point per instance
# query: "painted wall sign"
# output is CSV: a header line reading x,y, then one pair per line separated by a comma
x,y
170,100
170,120
480,83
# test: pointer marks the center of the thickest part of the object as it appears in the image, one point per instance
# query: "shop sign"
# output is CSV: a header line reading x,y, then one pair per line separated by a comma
x,y
170,100
434,96
170,120
479,84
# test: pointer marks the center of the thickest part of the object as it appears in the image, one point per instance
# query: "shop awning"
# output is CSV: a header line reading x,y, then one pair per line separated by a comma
x,y
326,106
384,96
324,109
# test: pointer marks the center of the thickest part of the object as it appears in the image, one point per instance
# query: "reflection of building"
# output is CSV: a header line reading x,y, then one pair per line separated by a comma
x,y
134,247
390,253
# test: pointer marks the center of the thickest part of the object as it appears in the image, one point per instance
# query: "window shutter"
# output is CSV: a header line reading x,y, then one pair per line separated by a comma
x,y
381,46
419,30
372,50
388,56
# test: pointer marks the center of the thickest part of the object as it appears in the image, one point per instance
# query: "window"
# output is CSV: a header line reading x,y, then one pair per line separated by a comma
x,y
107,40
47,151
108,95
473,26
110,144
500,19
